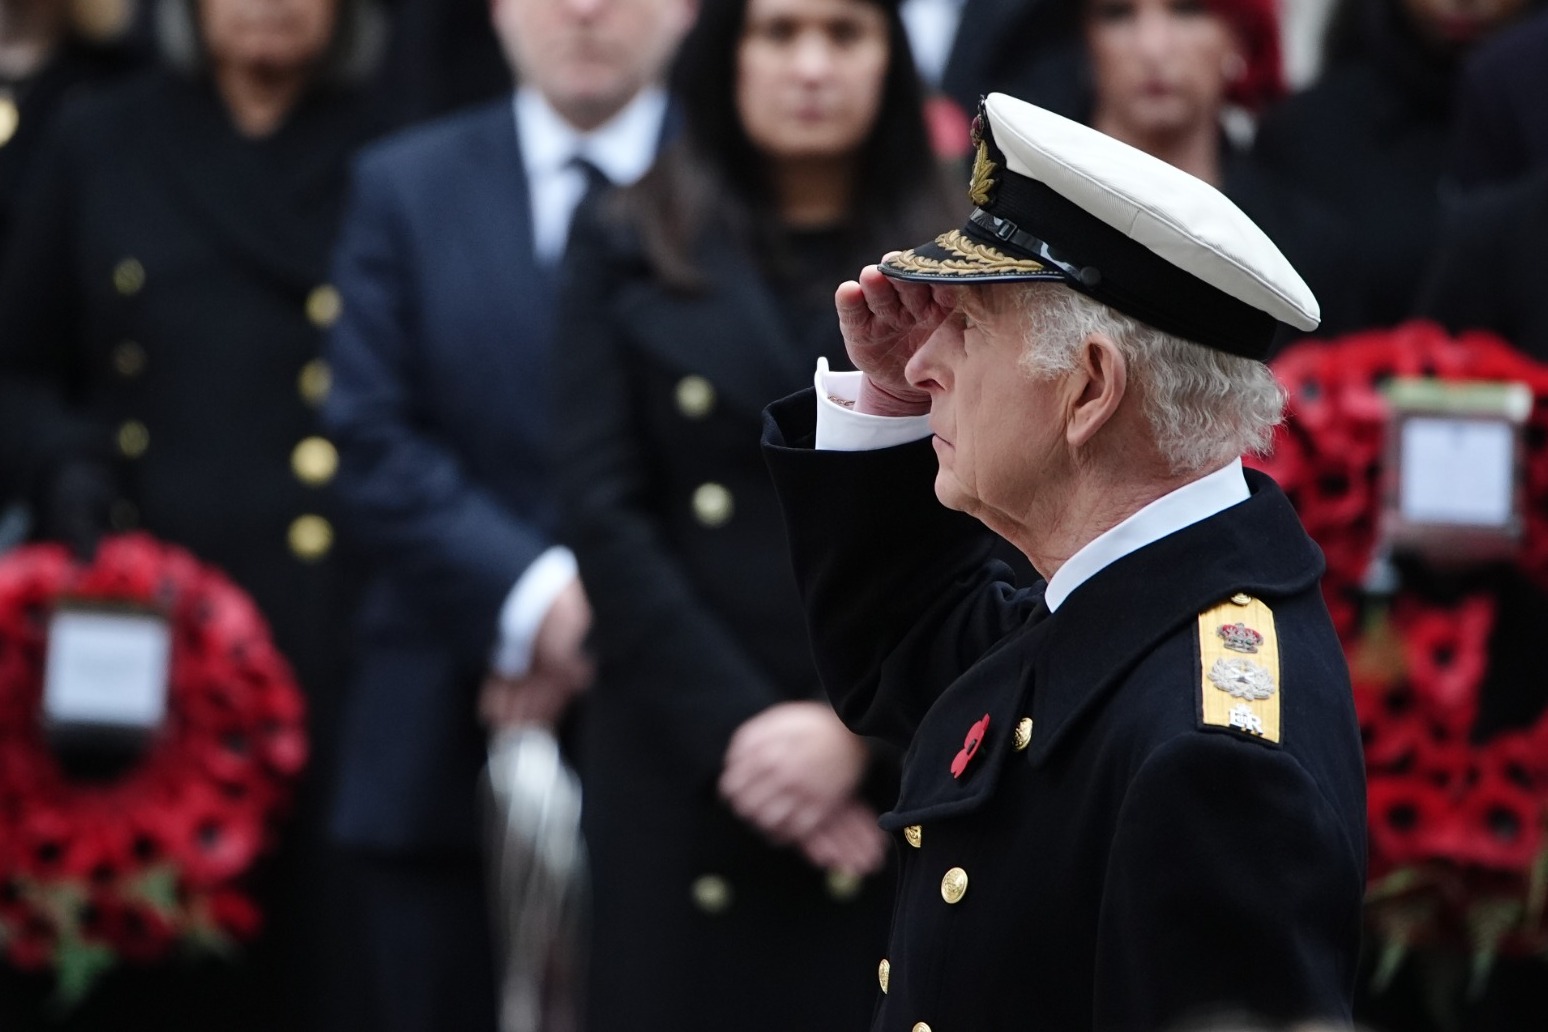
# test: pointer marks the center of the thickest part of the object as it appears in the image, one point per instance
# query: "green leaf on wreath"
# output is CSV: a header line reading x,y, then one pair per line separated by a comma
x,y
77,966
1537,884
203,938
1488,923
157,888
1393,953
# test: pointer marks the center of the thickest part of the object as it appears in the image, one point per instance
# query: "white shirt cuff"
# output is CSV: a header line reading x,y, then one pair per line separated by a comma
x,y
525,607
841,428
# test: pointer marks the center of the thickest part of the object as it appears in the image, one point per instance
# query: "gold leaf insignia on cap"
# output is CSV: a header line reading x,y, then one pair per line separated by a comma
x,y
981,187
964,257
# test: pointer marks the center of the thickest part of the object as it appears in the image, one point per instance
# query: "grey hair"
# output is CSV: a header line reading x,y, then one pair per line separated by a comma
x,y
359,40
1204,407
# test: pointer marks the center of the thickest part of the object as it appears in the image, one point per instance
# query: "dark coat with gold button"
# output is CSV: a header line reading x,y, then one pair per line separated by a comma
x,y
160,313
160,332
1109,857
701,923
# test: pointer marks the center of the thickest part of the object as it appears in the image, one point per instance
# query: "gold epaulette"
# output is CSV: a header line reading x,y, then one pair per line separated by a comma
x,y
1239,663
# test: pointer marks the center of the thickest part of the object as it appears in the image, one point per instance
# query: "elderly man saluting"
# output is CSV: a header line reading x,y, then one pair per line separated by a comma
x,y
1133,793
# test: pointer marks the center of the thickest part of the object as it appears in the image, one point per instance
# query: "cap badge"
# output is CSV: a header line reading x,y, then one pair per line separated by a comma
x,y
970,744
1242,679
1238,637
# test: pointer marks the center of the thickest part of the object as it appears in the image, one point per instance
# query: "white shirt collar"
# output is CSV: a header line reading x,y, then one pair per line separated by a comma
x,y
622,147
1195,501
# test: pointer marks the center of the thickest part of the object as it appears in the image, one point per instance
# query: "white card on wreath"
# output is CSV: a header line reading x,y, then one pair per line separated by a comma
x,y
1458,470
106,668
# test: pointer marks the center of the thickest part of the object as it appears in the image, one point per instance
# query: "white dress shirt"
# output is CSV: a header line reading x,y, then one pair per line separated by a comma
x,y
840,428
622,148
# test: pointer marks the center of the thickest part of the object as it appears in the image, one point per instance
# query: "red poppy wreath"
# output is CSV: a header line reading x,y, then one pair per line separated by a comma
x,y
1458,855
98,872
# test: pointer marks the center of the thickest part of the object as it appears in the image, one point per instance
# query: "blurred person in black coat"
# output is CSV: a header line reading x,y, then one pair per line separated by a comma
x,y
1369,139
738,872
45,59
1501,126
161,315
1162,75
1028,48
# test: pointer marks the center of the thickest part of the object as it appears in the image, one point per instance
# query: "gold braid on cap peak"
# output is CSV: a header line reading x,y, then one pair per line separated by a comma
x,y
969,257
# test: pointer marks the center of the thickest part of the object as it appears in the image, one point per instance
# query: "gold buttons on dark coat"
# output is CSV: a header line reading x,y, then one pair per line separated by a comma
x,y
10,117
314,461
844,886
133,439
1023,734
310,538
914,835
921,1027
129,359
324,306
954,885
711,893
695,397
129,277
712,504
315,381
884,973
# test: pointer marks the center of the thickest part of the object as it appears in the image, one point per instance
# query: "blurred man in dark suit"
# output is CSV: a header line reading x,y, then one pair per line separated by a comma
x,y
446,270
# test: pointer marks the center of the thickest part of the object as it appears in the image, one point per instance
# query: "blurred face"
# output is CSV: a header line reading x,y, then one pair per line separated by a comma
x,y
590,57
810,74
1161,67
999,431
277,35
1457,24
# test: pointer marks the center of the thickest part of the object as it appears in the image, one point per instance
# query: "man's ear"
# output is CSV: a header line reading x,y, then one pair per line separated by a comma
x,y
1100,380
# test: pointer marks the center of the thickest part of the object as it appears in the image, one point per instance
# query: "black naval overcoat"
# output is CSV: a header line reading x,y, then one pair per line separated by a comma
x,y
701,923
1108,858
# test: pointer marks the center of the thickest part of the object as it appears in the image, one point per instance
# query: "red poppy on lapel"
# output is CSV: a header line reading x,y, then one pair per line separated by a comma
x,y
970,744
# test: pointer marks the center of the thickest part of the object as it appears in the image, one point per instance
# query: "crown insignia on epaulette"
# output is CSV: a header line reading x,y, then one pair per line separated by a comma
x,y
1238,637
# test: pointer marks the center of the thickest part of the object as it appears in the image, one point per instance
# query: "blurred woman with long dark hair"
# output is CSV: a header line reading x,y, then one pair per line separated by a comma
x,y
738,871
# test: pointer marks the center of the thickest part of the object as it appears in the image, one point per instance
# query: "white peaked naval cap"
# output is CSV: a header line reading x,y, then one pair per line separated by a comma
x,y
1059,201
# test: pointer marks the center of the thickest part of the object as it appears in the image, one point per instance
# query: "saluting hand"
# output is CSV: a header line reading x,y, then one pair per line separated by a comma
x,y
884,321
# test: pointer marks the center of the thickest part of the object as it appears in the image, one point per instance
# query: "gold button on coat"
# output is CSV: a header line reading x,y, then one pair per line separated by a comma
x,y
914,835
311,537
1242,599
921,1027
315,460
133,439
10,117
324,306
954,885
1023,734
315,381
129,277
844,886
712,504
711,893
884,973
129,359
695,397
